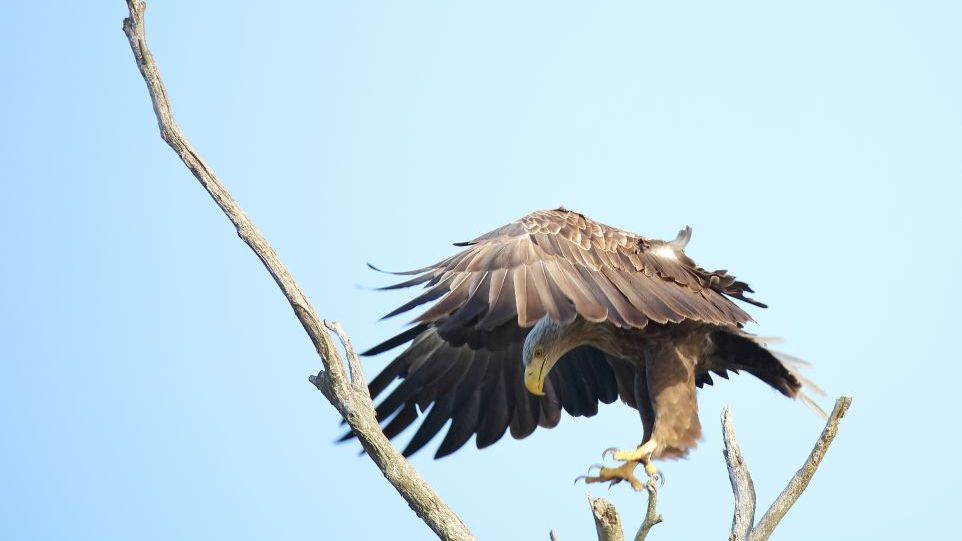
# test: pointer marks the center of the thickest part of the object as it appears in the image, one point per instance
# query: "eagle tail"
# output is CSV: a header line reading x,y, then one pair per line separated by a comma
x,y
793,365
738,350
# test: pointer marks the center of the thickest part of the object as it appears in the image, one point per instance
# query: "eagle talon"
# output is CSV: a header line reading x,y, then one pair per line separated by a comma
x,y
613,476
609,451
658,477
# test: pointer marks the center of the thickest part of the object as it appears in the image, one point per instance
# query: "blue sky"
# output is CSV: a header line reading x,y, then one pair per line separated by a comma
x,y
155,381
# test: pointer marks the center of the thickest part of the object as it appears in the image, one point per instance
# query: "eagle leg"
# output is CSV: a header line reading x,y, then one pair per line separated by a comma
x,y
613,476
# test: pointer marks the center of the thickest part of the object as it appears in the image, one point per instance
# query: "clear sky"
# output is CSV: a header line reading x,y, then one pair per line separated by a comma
x,y
154,381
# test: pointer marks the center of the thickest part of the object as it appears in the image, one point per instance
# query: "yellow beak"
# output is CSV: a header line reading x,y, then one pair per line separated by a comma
x,y
534,379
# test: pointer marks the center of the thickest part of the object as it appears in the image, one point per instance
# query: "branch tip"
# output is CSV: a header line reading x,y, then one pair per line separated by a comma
x,y
743,488
607,520
651,514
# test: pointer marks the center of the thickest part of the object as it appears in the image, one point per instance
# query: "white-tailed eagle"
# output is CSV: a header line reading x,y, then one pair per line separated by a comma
x,y
557,312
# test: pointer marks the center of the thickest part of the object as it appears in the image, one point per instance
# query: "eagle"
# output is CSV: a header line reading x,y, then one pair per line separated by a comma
x,y
557,312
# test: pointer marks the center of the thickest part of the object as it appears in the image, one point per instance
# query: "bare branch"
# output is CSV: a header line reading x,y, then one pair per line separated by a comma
x,y
799,482
353,362
741,481
343,392
651,515
607,521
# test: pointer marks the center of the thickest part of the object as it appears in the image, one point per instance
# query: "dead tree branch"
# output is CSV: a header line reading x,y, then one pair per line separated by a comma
x,y
607,521
651,514
799,481
745,492
347,393
741,481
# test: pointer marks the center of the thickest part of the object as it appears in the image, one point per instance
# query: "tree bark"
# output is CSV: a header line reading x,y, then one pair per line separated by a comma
x,y
607,521
741,481
651,514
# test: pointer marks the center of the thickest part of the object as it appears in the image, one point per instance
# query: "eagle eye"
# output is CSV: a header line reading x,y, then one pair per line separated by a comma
x,y
539,352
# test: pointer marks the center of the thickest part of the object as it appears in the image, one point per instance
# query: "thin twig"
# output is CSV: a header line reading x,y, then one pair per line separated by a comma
x,y
355,406
651,514
799,482
741,480
607,521
353,362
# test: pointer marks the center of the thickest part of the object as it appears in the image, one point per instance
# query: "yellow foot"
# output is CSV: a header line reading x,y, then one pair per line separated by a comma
x,y
613,476
642,454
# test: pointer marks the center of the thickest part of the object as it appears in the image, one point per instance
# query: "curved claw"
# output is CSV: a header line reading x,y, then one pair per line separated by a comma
x,y
656,478
580,478
593,466
609,451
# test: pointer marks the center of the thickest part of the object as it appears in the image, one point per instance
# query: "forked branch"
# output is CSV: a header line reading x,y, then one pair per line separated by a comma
x,y
742,528
608,522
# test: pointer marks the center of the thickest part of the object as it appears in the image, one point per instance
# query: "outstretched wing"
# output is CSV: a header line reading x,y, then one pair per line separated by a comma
x,y
464,357
480,391
561,264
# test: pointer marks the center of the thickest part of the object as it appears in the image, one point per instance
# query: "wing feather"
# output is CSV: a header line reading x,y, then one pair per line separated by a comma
x,y
501,304
558,306
571,285
496,415
436,292
467,409
402,420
